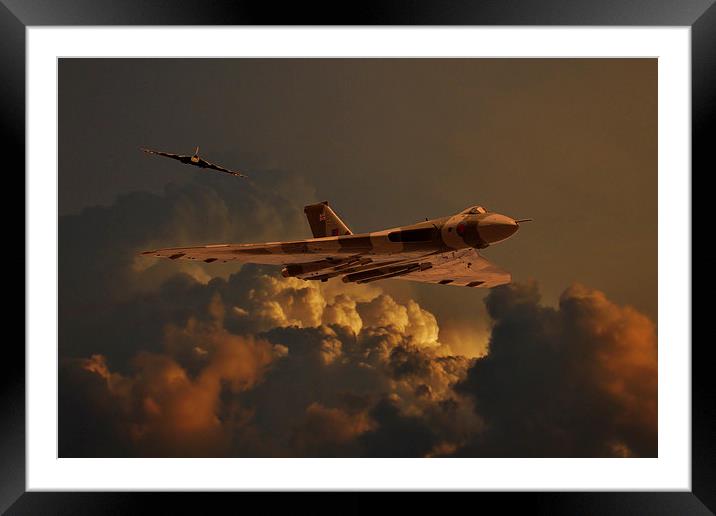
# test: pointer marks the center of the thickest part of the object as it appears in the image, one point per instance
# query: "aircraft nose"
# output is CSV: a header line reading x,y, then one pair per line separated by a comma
x,y
495,227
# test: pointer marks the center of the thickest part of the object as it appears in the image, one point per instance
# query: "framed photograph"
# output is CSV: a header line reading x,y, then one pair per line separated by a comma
x,y
428,248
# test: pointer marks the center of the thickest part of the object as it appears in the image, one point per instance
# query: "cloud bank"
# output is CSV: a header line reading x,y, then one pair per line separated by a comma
x,y
579,380
159,360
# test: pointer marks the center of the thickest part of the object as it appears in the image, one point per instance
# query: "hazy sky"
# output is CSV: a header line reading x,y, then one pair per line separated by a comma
x,y
166,357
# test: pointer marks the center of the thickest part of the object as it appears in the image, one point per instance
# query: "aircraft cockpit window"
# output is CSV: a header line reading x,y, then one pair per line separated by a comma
x,y
476,210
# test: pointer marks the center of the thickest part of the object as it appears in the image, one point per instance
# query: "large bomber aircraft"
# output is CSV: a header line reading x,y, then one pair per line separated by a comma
x,y
194,160
442,250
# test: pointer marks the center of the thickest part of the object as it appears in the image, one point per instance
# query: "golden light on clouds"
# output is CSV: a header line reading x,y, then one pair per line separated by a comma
x,y
343,354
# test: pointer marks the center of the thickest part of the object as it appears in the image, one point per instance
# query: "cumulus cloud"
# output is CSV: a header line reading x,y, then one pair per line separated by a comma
x,y
161,407
409,320
329,431
100,270
277,385
466,338
579,380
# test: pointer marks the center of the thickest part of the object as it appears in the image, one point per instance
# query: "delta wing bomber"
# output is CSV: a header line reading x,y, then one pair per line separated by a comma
x,y
442,250
195,160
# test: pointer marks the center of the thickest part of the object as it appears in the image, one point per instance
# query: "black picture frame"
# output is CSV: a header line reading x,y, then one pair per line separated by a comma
x,y
17,15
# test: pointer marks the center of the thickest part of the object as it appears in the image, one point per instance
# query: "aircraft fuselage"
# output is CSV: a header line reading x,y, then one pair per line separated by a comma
x,y
440,235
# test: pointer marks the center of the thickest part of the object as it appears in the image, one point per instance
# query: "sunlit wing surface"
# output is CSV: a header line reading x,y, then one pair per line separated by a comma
x,y
281,253
352,260
464,268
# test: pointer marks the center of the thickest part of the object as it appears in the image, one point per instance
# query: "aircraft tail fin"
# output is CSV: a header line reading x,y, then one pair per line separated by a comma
x,y
324,222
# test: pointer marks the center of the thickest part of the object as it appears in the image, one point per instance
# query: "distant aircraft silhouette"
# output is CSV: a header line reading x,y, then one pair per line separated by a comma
x,y
194,160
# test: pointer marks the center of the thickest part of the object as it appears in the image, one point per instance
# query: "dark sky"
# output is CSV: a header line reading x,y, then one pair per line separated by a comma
x,y
571,143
